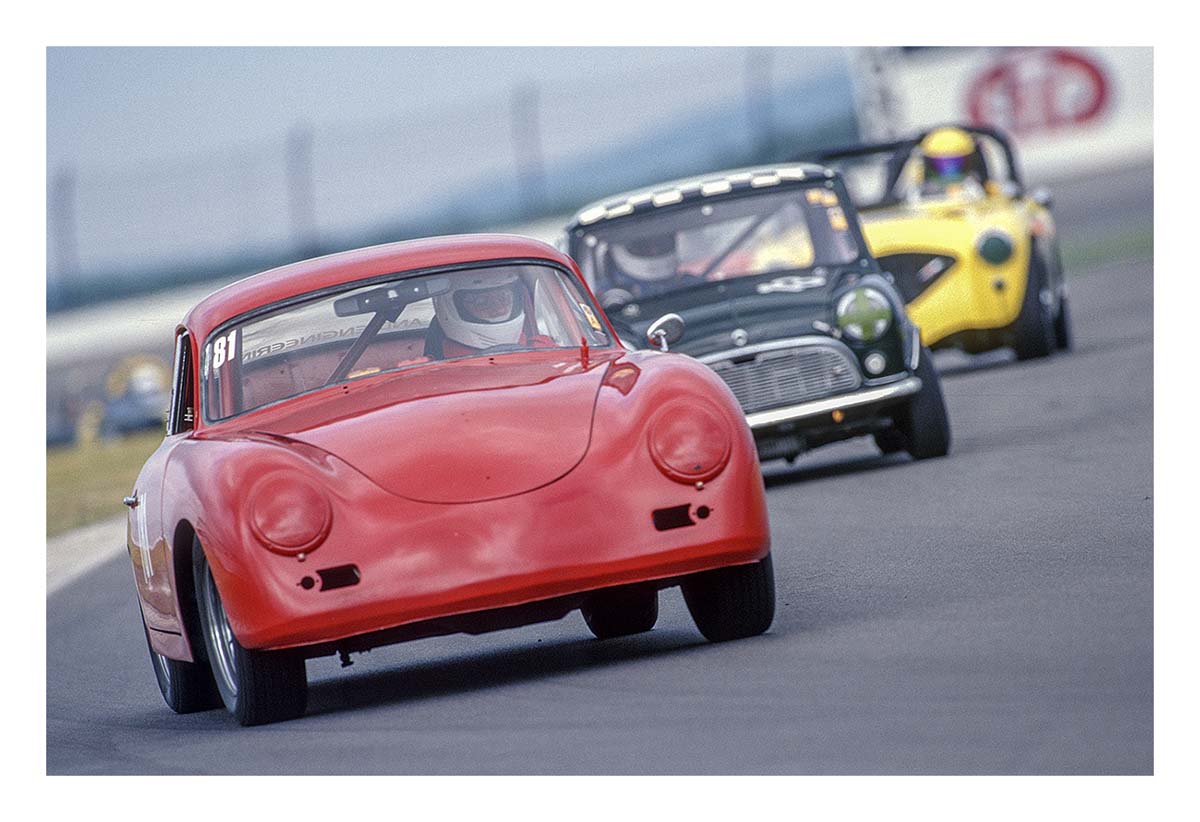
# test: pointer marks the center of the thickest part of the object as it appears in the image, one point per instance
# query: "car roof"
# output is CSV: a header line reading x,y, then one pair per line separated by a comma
x,y
361,263
702,186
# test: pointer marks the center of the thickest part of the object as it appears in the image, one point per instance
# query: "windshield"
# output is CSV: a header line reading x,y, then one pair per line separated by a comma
x,y
383,326
636,257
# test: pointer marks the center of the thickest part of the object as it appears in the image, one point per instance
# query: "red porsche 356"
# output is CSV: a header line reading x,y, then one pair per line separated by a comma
x,y
423,438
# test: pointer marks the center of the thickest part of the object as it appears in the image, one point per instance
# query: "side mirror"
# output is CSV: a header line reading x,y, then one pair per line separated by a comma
x,y
665,331
1042,197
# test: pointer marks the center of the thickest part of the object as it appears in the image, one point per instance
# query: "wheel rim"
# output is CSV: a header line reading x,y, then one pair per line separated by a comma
x,y
220,635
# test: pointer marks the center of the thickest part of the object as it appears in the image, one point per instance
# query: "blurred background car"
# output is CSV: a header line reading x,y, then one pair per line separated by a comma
x,y
138,392
974,253
766,277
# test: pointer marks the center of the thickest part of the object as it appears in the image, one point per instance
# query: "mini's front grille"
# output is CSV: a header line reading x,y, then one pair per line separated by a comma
x,y
915,272
788,376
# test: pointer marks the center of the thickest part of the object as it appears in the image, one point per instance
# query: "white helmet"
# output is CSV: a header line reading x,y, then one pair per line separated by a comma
x,y
482,309
650,259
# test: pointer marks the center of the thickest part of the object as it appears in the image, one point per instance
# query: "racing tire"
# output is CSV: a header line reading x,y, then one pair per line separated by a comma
x,y
734,602
1063,338
186,687
257,687
924,425
620,613
1034,327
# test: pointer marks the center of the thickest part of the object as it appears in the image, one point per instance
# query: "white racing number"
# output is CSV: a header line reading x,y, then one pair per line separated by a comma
x,y
223,349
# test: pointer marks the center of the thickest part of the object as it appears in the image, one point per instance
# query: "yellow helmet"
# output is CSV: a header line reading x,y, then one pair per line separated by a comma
x,y
949,155
947,142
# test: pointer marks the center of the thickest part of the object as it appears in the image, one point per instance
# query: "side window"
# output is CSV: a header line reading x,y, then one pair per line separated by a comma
x,y
182,414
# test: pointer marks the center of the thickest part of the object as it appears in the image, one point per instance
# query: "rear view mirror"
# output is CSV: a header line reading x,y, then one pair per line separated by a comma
x,y
391,297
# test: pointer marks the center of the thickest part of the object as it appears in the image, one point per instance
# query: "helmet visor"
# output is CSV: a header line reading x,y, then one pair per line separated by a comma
x,y
945,169
498,304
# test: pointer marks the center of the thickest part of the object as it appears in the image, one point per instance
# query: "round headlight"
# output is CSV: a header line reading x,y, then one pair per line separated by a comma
x,y
995,247
864,314
689,441
289,515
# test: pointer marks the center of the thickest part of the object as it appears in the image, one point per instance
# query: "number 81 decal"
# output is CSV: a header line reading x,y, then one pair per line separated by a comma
x,y
221,350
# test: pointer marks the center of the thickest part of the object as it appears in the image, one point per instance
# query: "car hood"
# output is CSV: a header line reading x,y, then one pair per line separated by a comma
x,y
763,308
938,227
459,432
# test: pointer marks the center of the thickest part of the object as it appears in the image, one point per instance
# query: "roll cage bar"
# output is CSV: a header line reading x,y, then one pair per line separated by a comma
x,y
901,150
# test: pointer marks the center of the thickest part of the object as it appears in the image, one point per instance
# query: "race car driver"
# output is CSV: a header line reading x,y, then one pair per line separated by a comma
x,y
481,311
951,164
645,267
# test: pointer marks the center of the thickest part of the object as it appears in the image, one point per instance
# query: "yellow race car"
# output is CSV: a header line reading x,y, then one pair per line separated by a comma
x,y
975,257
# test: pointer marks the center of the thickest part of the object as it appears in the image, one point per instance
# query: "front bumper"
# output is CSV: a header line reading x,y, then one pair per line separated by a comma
x,y
796,384
874,396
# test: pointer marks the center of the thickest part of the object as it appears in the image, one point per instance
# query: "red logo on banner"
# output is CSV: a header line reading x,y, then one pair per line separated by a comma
x,y
1031,90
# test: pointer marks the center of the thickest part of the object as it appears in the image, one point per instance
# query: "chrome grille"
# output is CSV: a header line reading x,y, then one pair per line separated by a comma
x,y
788,376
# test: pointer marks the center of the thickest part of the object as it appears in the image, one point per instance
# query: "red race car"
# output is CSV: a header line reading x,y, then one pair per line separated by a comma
x,y
424,438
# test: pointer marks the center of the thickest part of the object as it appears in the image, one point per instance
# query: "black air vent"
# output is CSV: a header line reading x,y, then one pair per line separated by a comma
x,y
916,272
676,516
339,576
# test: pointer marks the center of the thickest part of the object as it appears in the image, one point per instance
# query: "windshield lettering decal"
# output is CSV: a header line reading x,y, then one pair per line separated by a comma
x,y
347,332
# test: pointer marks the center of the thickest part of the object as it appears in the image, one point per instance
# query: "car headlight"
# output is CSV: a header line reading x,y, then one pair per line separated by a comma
x,y
690,441
864,314
288,514
995,247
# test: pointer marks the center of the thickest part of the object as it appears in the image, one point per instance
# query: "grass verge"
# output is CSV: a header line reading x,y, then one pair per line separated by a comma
x,y
85,483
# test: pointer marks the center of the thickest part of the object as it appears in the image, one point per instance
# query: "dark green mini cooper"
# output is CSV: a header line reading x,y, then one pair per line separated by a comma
x,y
763,274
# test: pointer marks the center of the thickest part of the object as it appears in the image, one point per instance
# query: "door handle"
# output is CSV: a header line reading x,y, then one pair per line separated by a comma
x,y
131,501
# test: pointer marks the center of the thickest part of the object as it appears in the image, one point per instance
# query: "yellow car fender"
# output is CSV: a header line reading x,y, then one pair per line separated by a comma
x,y
973,293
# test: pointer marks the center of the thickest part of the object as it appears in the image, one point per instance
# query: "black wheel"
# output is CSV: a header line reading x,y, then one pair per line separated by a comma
x,y
1062,326
733,602
257,687
621,612
889,441
924,424
186,687
1034,327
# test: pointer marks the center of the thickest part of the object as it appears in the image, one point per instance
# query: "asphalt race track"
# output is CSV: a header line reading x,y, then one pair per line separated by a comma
x,y
990,612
